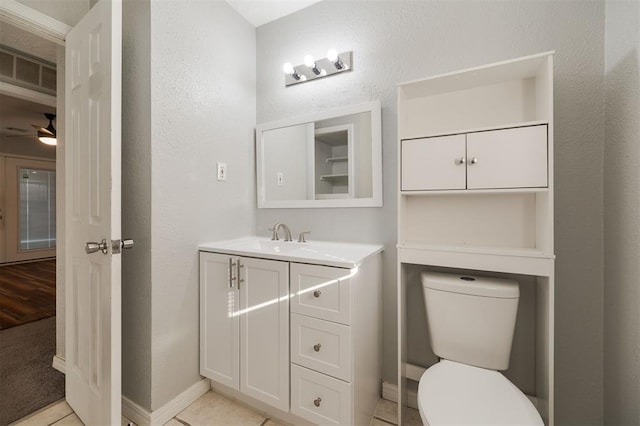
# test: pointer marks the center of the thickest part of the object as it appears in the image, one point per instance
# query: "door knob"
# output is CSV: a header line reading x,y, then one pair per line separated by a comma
x,y
118,245
317,347
317,293
92,247
474,160
317,401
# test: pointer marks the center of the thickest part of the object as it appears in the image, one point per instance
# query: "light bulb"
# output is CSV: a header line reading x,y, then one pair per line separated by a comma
x,y
309,61
48,140
288,68
332,55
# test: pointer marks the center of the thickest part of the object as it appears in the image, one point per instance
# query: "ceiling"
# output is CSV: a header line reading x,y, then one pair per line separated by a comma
x,y
19,115
260,12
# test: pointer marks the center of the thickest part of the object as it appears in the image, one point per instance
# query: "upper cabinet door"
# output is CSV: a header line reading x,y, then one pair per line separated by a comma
x,y
508,158
436,163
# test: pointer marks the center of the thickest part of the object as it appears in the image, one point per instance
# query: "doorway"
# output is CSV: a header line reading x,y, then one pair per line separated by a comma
x,y
28,225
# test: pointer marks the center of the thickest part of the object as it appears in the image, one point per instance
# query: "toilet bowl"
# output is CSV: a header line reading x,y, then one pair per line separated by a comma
x,y
471,321
451,393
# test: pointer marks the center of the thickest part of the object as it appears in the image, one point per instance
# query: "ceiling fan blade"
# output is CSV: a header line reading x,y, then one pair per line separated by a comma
x,y
43,129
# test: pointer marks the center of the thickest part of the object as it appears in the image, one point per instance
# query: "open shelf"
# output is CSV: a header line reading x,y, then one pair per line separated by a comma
x,y
337,159
334,177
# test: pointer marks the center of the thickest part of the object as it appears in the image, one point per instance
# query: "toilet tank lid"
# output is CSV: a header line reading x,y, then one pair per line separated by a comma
x,y
501,288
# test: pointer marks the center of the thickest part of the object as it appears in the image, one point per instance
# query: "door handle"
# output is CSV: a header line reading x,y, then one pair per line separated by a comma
x,y
92,247
118,245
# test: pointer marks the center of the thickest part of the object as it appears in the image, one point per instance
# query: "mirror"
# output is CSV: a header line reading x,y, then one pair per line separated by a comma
x,y
328,159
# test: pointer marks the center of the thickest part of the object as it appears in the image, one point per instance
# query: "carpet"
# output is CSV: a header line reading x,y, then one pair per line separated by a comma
x,y
28,382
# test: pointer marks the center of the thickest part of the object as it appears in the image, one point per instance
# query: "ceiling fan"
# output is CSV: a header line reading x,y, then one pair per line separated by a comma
x,y
47,135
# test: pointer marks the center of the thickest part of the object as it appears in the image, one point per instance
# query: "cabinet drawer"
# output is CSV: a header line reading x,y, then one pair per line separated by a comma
x,y
507,158
321,345
319,398
433,163
322,292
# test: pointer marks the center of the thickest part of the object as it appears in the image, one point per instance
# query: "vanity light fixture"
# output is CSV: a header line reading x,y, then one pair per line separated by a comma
x,y
313,69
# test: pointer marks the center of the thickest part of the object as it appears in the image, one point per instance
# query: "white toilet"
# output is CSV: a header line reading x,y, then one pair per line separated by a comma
x,y
471,323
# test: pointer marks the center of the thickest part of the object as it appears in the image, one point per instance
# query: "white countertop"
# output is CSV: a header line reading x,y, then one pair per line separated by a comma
x,y
342,255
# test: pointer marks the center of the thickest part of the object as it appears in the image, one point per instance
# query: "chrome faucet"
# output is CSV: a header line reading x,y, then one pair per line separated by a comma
x,y
287,232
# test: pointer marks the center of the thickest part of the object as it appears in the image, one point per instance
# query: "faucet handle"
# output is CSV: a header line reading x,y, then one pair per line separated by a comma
x,y
274,234
301,236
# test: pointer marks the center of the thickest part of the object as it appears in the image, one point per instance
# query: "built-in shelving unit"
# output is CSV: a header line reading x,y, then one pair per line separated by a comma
x,y
476,194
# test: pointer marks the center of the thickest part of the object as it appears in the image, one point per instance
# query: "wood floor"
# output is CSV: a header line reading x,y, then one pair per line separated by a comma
x,y
27,292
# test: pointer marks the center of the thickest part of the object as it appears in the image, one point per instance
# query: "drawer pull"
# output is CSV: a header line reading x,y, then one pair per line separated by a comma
x,y
317,347
317,401
317,293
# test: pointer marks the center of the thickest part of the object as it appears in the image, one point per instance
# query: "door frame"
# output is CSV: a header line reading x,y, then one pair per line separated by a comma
x,y
42,25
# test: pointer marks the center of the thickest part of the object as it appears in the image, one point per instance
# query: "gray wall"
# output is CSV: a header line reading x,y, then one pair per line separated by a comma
x,y
622,214
136,201
399,41
188,102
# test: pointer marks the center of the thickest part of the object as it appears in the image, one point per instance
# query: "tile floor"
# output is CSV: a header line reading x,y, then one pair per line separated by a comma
x,y
211,409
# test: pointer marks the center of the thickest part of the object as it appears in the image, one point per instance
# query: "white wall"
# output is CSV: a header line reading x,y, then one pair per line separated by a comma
x,y
399,41
203,106
622,214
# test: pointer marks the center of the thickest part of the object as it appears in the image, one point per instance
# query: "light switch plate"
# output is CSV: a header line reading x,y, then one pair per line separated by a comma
x,y
222,171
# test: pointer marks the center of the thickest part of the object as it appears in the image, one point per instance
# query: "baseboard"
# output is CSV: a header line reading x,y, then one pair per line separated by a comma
x,y
59,364
159,417
390,392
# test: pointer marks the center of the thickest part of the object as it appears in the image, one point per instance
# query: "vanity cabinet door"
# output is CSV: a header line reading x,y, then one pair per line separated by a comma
x,y
219,324
264,330
507,158
435,163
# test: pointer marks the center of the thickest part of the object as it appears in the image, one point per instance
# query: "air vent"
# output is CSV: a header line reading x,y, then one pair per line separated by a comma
x,y
27,71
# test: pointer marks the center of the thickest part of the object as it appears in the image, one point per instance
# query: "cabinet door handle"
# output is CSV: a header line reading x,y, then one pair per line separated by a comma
x,y
317,401
474,160
231,277
461,161
240,280
317,347
317,293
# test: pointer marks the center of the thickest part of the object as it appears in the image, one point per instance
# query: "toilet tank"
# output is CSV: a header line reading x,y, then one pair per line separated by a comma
x,y
471,319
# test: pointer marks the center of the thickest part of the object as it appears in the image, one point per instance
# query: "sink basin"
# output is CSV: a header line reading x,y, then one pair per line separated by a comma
x,y
343,255
268,246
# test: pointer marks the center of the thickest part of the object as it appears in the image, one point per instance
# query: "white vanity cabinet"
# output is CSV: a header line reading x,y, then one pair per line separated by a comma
x,y
505,158
311,309
244,317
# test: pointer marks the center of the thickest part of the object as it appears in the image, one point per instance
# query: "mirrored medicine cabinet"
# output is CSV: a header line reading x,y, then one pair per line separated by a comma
x,y
331,158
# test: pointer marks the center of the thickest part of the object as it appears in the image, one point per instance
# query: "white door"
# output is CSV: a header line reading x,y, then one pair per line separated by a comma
x,y
219,319
433,163
507,158
264,330
92,210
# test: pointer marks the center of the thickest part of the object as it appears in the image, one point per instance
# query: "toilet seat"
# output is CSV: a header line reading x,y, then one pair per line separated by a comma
x,y
451,393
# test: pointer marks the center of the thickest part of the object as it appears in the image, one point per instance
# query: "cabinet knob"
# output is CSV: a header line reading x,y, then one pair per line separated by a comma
x,y
317,401
317,347
461,161
317,293
474,160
